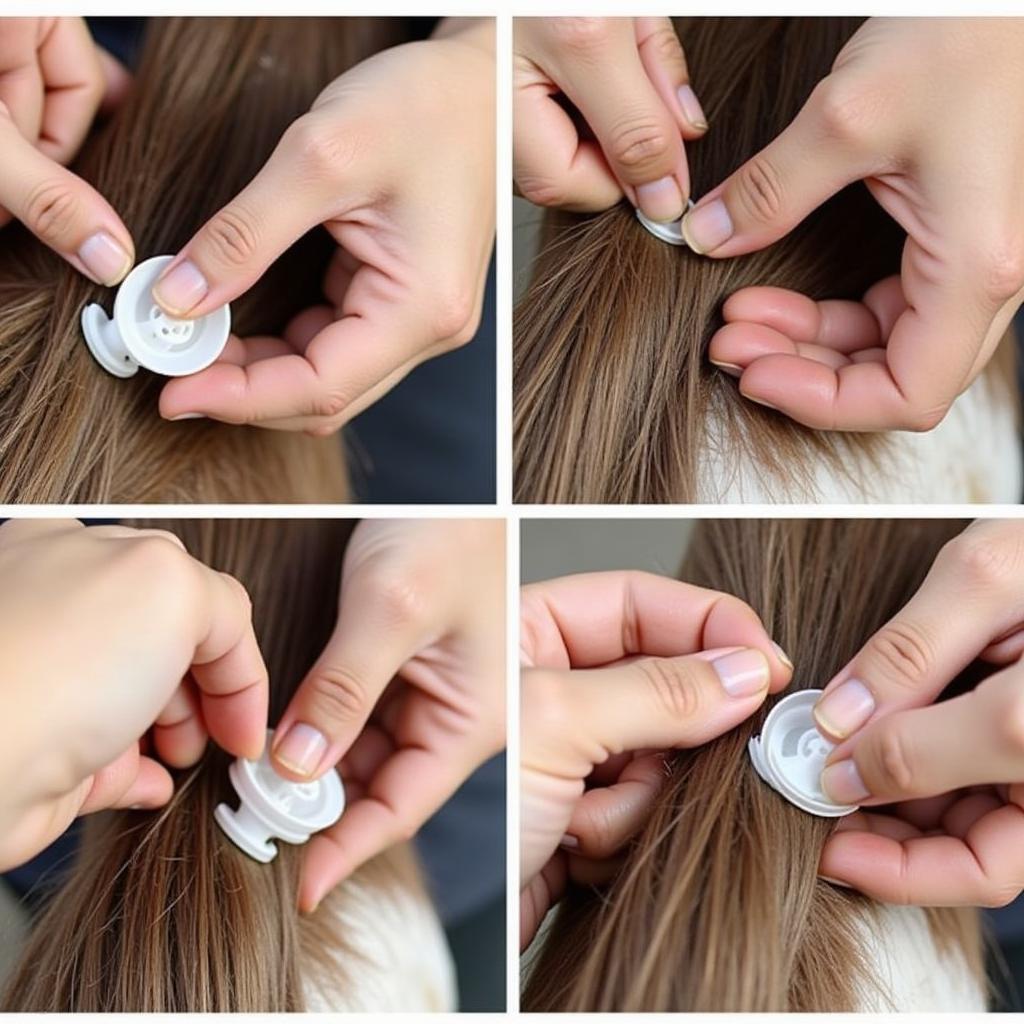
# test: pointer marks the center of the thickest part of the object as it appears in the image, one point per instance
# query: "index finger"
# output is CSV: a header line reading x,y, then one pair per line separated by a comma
x,y
595,618
228,668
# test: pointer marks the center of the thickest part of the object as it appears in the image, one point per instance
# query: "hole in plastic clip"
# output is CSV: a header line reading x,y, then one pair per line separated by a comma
x,y
790,755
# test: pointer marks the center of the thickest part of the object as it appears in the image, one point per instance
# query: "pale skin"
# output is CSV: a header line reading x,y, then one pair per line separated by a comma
x,y
121,654
618,669
408,697
395,159
950,774
927,112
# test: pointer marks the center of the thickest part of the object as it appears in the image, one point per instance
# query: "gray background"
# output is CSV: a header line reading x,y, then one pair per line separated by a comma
x,y
557,547
526,220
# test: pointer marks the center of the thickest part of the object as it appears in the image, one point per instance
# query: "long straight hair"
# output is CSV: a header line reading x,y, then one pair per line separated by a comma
x,y
161,912
211,99
719,906
615,399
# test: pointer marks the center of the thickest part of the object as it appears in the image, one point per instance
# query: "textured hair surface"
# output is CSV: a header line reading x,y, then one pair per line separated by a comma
x,y
615,399
211,99
718,906
160,911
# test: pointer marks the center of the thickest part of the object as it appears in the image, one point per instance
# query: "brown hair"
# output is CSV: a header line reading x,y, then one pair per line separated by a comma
x,y
718,906
161,912
211,99
615,399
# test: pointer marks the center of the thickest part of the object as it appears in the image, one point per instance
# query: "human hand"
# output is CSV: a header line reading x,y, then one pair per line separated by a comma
x,y
953,771
53,80
409,694
108,632
627,78
618,668
928,112
396,160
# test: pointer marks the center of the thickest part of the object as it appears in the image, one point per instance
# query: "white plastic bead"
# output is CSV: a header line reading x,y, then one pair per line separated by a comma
x,y
668,231
790,754
141,334
275,808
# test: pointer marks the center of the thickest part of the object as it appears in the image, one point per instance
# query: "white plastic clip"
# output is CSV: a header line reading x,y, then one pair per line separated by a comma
x,y
668,231
790,754
141,334
274,808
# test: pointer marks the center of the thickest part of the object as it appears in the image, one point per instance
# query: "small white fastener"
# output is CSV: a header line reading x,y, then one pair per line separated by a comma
x,y
790,754
142,334
275,808
668,231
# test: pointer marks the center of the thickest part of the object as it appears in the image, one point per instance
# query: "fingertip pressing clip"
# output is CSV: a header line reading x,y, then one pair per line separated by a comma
x,y
140,333
790,755
275,808
668,231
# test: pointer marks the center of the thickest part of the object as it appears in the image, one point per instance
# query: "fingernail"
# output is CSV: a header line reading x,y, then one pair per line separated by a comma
x,y
760,401
783,656
841,783
835,881
187,416
730,368
569,842
692,110
707,227
182,289
661,200
105,259
302,749
743,673
845,709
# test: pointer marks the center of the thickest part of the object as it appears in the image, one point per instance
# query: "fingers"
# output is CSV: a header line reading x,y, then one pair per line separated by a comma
x,y
596,618
232,250
61,210
228,668
662,56
607,817
776,189
970,740
970,597
380,627
130,781
664,703
980,868
403,794
601,72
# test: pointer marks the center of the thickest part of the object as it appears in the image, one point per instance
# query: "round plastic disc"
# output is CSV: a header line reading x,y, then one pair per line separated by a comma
x,y
668,231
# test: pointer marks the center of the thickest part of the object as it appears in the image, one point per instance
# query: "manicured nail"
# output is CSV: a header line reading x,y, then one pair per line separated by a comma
x,y
188,416
835,881
707,227
692,110
845,709
661,200
104,258
569,842
841,783
181,289
743,673
730,368
783,656
302,749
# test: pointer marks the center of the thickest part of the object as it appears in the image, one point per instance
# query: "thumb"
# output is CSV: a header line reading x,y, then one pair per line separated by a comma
x,y
775,190
294,192
61,210
663,703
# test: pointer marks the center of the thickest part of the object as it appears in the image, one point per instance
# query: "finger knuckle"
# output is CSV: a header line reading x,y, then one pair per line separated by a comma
x,y
1003,270
322,151
51,211
844,111
542,191
759,190
544,706
400,596
598,833
233,236
580,36
456,314
983,560
675,689
903,653
637,143
330,403
921,420
666,48
1010,721
338,694
997,894
893,762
